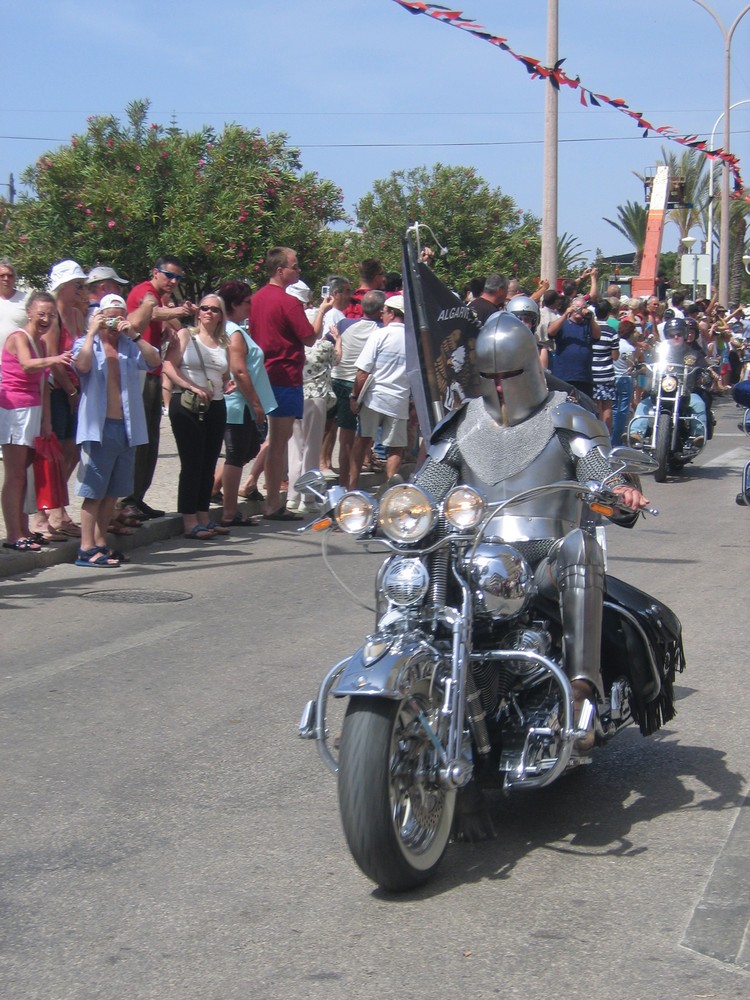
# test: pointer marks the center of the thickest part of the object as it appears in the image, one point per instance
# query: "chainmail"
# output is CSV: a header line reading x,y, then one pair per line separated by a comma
x,y
495,452
439,478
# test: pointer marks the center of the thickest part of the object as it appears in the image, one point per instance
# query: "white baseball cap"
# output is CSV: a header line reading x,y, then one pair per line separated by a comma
x,y
104,274
112,301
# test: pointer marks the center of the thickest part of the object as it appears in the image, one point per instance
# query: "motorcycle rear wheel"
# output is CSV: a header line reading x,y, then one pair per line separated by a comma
x,y
397,819
661,452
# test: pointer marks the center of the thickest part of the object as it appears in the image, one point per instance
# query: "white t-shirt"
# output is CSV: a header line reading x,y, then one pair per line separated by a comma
x,y
353,340
12,316
384,356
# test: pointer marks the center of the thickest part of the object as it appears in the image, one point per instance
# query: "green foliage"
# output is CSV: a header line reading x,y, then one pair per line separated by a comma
x,y
124,194
570,256
632,219
483,229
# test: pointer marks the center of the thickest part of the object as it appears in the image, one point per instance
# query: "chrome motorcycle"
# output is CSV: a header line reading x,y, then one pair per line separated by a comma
x,y
463,677
674,435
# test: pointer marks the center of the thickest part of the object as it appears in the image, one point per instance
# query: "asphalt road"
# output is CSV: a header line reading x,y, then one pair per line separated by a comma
x,y
165,833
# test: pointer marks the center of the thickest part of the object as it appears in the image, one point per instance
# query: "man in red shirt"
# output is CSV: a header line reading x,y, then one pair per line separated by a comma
x,y
152,319
371,276
282,331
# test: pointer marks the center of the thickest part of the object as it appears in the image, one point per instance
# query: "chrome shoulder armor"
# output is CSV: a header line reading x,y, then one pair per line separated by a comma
x,y
571,417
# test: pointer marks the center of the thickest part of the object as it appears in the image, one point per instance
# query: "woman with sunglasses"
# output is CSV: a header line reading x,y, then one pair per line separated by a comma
x,y
197,361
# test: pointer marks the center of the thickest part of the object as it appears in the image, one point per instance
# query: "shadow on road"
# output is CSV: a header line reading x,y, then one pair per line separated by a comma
x,y
593,811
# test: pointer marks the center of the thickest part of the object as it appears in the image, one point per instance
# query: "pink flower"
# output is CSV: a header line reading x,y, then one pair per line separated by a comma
x,y
137,166
88,211
111,224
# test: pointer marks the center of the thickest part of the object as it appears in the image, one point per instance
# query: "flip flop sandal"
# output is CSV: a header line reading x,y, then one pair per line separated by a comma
x,y
220,529
70,529
128,520
23,545
101,560
51,536
114,553
38,538
238,521
253,495
119,529
283,515
200,532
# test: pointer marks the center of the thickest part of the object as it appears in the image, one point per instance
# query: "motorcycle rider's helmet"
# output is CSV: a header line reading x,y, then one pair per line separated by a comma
x,y
512,377
526,309
673,326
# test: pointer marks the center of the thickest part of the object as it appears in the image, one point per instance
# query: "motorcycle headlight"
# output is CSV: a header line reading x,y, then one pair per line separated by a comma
x,y
504,581
669,383
464,508
407,513
405,581
355,513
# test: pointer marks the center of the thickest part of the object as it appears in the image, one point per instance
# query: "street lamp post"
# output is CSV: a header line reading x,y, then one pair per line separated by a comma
x,y
724,231
549,183
710,226
689,242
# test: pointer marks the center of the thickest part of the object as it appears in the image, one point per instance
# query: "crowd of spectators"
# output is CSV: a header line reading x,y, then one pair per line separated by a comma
x,y
280,378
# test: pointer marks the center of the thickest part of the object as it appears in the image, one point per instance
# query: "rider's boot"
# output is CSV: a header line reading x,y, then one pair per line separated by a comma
x,y
580,579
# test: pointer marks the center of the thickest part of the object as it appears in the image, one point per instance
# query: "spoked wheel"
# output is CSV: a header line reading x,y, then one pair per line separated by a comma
x,y
396,816
663,436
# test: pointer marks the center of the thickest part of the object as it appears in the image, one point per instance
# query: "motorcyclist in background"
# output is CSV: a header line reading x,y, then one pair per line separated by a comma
x,y
678,352
520,434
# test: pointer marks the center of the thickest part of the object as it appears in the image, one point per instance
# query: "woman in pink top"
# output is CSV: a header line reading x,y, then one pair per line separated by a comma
x,y
24,412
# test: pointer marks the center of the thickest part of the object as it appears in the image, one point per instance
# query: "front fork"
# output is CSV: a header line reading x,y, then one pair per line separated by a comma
x,y
457,770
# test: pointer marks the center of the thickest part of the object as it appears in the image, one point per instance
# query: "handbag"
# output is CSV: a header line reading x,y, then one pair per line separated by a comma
x,y
191,400
193,403
49,475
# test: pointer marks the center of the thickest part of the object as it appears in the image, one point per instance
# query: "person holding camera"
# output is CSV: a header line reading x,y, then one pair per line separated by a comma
x,y
111,421
197,364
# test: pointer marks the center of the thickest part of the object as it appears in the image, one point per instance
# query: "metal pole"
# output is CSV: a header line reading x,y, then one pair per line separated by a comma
x,y
710,226
724,228
549,184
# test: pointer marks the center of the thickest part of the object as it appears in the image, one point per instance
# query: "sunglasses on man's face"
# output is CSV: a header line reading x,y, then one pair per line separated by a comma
x,y
170,275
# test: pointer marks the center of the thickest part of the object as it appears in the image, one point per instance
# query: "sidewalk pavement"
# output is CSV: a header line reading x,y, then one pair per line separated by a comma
x,y
161,496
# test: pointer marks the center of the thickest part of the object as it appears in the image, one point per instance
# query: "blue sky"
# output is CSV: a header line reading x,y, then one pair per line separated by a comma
x,y
364,88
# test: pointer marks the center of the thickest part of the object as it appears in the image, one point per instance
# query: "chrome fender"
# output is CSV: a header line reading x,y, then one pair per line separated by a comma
x,y
387,667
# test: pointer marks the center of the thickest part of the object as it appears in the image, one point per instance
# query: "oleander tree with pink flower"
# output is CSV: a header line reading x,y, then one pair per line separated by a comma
x,y
124,192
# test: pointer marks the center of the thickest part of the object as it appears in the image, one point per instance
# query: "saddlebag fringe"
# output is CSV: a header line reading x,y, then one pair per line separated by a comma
x,y
652,704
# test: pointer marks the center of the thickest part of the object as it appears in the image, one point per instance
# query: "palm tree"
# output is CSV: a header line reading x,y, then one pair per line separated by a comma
x,y
570,256
632,218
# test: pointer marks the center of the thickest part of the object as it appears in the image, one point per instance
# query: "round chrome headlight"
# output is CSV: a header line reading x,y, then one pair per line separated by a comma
x,y
464,508
669,383
355,513
504,581
405,581
406,513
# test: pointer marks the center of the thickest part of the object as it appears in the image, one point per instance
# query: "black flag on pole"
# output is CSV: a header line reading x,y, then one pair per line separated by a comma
x,y
441,333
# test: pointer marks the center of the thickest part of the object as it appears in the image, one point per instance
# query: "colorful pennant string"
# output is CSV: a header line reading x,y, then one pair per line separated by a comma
x,y
558,78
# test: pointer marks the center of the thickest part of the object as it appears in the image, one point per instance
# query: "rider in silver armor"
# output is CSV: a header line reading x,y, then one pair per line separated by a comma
x,y
517,435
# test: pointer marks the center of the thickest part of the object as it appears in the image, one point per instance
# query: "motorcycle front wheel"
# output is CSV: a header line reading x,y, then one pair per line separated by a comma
x,y
663,441
396,816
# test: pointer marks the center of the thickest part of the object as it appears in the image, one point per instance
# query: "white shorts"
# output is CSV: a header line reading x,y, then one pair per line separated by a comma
x,y
395,430
20,426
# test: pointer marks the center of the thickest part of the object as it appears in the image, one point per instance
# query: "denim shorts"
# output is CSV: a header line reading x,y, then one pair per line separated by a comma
x,y
290,402
107,467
